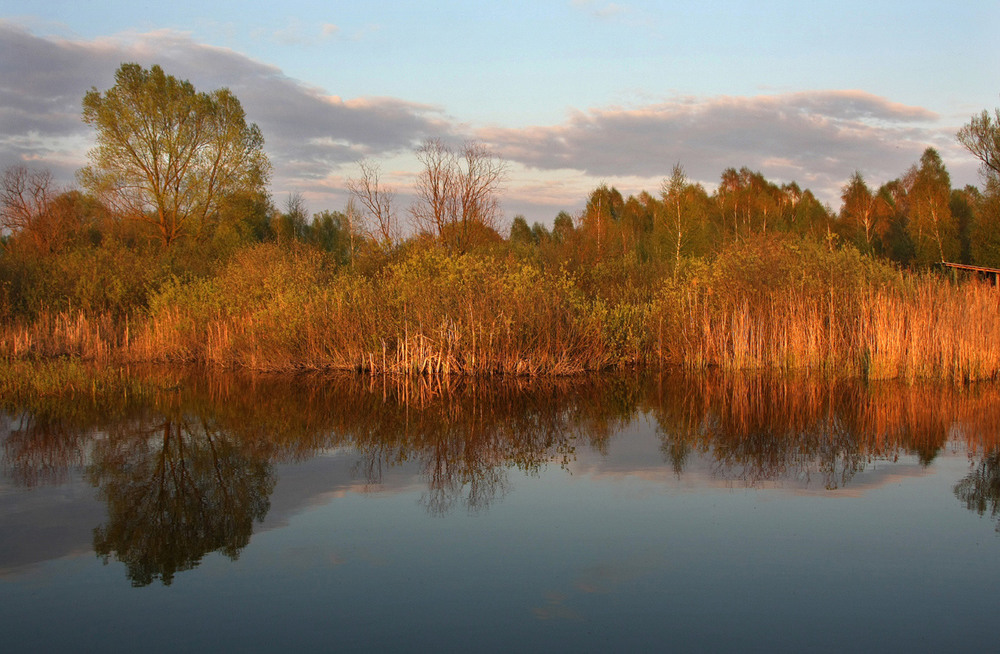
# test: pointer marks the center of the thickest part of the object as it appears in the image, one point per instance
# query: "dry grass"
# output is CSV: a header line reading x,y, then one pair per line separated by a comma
x,y
433,314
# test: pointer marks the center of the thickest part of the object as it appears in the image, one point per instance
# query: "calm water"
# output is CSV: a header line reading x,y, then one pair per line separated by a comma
x,y
627,513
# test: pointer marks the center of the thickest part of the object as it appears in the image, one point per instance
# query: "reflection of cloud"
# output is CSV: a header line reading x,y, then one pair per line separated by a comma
x,y
703,471
555,608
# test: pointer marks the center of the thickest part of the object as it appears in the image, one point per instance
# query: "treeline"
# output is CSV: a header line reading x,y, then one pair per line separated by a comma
x,y
173,251
915,220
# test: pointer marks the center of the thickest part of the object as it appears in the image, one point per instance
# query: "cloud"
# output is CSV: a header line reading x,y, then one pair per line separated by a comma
x,y
605,11
299,33
817,138
307,131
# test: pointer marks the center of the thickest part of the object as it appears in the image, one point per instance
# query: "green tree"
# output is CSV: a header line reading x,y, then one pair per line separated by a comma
x,y
985,238
562,227
680,219
864,214
168,155
963,209
604,209
331,231
934,232
291,225
981,137
520,232
168,503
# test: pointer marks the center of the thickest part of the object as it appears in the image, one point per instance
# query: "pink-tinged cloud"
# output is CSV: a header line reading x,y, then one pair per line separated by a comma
x,y
307,131
817,138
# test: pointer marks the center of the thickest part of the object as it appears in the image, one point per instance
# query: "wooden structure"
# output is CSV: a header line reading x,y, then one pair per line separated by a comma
x,y
979,269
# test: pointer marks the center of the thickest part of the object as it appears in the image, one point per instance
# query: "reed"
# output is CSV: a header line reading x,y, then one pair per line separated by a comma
x,y
765,305
841,319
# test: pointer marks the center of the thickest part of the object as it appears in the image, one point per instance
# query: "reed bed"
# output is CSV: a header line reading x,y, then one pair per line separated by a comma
x,y
763,306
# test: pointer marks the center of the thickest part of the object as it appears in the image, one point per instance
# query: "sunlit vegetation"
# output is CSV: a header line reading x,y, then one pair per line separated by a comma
x,y
195,264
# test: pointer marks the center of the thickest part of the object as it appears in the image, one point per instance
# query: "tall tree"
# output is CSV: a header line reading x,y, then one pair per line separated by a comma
x,y
604,209
863,212
985,238
458,193
167,154
685,210
934,233
377,202
981,137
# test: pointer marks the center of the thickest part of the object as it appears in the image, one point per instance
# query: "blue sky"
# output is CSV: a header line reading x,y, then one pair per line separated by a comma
x,y
572,93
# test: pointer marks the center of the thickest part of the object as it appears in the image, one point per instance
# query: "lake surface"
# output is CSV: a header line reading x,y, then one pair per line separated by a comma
x,y
633,513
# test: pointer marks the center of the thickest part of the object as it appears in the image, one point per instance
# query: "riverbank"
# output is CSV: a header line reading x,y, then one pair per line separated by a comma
x,y
771,304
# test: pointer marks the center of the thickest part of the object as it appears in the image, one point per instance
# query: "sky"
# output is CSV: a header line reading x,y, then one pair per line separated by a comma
x,y
571,93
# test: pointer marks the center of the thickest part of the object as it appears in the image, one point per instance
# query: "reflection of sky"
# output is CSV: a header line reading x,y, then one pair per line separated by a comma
x,y
571,559
50,522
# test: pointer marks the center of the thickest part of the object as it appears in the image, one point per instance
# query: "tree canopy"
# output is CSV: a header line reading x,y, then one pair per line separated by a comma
x,y
168,155
981,137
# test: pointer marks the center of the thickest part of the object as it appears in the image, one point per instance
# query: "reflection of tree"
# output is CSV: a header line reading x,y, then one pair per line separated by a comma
x,y
176,492
41,449
465,434
980,489
759,428
188,471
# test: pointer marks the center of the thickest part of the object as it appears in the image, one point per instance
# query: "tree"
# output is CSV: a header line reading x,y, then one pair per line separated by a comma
x,y
290,225
333,232
985,240
520,232
562,227
168,155
934,232
981,137
897,242
377,202
168,504
603,211
677,219
863,212
458,194
38,214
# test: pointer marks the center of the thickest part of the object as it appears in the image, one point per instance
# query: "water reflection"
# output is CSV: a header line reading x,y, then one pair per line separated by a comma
x,y
176,488
980,489
191,470
759,428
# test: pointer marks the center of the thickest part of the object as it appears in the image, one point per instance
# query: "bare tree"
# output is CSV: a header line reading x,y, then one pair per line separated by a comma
x,y
458,194
480,176
433,210
24,195
28,206
377,201
355,221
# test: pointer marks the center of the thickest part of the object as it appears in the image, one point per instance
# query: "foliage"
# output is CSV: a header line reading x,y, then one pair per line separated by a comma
x,y
169,156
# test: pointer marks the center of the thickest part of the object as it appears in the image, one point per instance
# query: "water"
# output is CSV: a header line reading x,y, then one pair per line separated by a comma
x,y
629,513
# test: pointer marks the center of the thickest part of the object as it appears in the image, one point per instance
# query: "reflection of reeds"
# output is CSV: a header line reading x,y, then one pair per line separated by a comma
x,y
762,427
464,430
